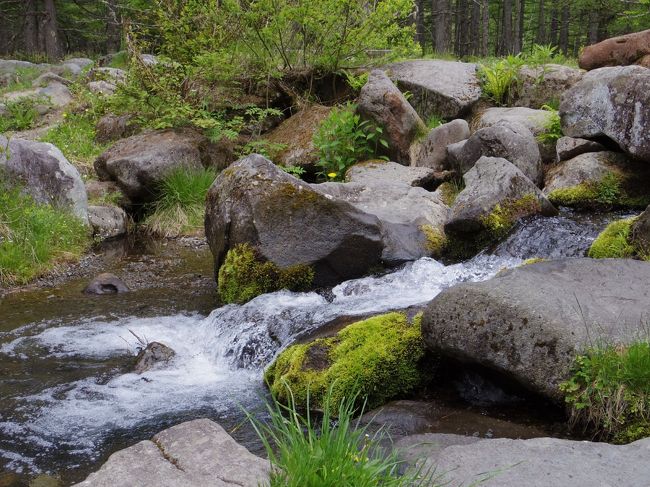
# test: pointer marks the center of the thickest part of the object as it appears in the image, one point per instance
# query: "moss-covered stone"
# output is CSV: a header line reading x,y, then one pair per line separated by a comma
x,y
614,241
449,191
244,276
377,357
533,260
436,240
504,216
612,190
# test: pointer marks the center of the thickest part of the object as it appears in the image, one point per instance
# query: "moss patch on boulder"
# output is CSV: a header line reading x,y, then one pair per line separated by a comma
x,y
244,275
614,241
612,190
436,239
377,357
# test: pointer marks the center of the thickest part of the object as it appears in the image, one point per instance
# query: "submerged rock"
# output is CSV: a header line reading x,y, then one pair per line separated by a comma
x,y
151,356
537,462
446,89
530,323
197,453
106,283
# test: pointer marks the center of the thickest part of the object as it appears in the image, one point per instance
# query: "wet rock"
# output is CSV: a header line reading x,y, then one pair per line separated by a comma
x,y
529,323
444,89
108,221
197,453
380,173
45,173
381,102
432,150
537,86
113,127
616,51
106,283
536,121
289,222
295,135
140,162
153,354
570,147
612,103
102,87
537,462
509,140
496,195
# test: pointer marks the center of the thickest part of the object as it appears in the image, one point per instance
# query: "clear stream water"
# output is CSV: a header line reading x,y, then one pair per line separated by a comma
x,y
67,398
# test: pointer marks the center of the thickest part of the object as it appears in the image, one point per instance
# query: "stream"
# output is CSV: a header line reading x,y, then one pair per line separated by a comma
x,y
68,399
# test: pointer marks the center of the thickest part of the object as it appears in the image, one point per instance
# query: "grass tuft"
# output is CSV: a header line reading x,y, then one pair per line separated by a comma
x,y
180,206
614,241
35,238
305,452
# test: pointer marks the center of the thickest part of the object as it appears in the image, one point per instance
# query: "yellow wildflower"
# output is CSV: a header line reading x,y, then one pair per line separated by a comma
x,y
331,175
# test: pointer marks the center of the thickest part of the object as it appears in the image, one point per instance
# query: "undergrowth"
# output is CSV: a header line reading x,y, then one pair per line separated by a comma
x,y
19,114
180,205
35,238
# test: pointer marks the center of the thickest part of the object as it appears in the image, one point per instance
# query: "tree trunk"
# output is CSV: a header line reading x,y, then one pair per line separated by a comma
x,y
475,29
113,26
507,30
30,33
564,28
541,23
52,41
518,34
485,27
594,25
555,23
441,16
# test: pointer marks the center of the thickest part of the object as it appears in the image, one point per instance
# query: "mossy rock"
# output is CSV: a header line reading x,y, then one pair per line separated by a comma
x,y
377,358
244,275
615,242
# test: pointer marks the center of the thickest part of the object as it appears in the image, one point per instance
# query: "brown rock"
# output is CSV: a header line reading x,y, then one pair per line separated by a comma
x,y
113,127
153,354
617,51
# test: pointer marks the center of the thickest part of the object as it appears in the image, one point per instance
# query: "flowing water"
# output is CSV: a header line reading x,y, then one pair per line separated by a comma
x,y
67,398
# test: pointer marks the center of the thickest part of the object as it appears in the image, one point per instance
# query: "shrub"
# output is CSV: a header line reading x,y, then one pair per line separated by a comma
x,y
496,79
244,276
331,452
35,238
343,139
609,391
377,357
180,205
552,128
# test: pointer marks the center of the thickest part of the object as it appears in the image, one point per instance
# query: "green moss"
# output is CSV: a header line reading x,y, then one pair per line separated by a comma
x,y
377,357
244,276
449,190
534,260
503,216
436,240
612,190
614,241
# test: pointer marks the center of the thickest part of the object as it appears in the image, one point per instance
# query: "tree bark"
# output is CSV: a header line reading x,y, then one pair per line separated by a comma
x,y
518,34
506,30
541,23
554,30
485,27
52,42
594,25
475,29
113,26
441,16
564,28
30,34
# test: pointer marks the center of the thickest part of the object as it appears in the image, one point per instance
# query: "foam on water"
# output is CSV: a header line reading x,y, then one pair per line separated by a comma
x,y
217,364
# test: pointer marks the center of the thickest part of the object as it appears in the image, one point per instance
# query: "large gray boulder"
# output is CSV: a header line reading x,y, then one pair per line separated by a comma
x,y
570,147
197,453
381,173
446,89
55,94
531,322
45,174
108,221
381,102
537,462
509,140
538,86
586,168
496,195
138,164
612,103
432,150
640,237
289,222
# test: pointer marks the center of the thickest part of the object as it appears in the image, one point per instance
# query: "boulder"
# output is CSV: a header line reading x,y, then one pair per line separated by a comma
x,y
509,140
496,195
82,62
381,173
289,222
617,51
611,103
108,221
102,87
538,86
381,102
432,150
446,89
45,173
48,77
113,127
139,163
570,147
536,121
293,138
644,61
197,453
640,233
596,179
106,283
537,462
54,94
531,322
112,75
151,356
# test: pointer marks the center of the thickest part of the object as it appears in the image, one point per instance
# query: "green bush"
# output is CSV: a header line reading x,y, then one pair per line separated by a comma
x,y
343,139
179,208
377,357
497,78
552,128
21,114
609,391
333,452
35,238
244,276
